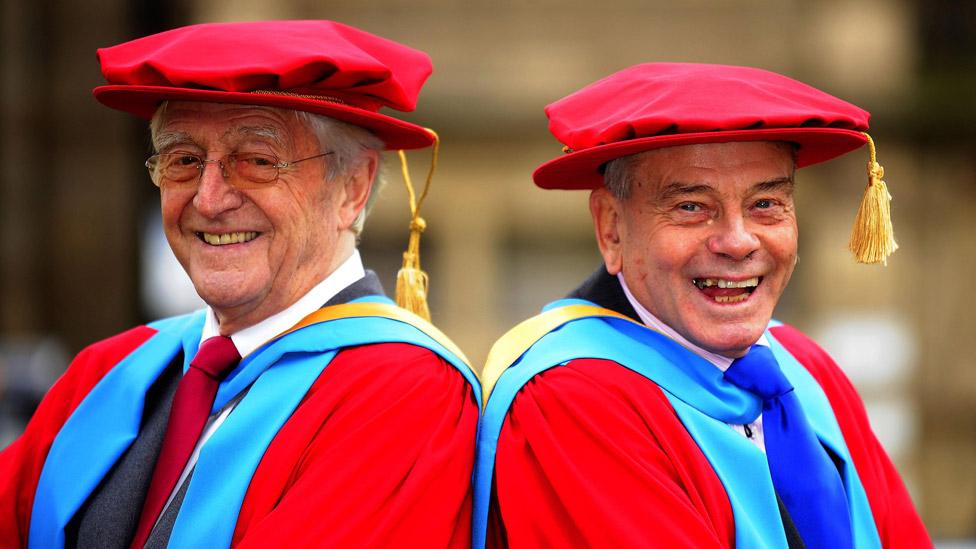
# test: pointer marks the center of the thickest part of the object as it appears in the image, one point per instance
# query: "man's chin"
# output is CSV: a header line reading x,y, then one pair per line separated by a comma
x,y
731,340
735,345
225,295
730,330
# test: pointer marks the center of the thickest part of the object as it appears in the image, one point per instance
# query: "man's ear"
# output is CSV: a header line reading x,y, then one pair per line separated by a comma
x,y
606,212
357,187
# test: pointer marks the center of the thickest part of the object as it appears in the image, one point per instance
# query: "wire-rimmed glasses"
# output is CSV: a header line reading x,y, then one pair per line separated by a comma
x,y
241,169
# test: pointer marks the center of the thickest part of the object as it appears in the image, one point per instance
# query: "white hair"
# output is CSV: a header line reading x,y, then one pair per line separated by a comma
x,y
349,144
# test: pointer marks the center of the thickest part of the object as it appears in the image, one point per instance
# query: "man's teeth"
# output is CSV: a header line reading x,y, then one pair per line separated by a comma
x,y
731,298
229,238
703,283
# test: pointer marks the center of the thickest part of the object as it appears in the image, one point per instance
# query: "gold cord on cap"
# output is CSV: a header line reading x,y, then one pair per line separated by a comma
x,y
873,238
412,281
326,98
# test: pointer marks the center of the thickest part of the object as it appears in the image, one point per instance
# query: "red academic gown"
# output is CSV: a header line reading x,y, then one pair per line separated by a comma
x,y
592,454
378,453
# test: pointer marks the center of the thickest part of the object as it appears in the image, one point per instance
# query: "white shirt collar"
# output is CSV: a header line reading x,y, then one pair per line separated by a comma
x,y
651,321
252,337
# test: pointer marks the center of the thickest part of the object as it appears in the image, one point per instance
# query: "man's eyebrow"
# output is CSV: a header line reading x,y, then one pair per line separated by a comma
x,y
166,140
267,132
777,184
678,189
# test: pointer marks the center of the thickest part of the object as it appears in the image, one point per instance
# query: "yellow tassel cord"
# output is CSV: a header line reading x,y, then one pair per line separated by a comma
x,y
873,238
412,282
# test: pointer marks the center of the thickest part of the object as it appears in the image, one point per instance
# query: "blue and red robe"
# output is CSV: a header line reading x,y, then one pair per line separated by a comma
x,y
374,442
581,450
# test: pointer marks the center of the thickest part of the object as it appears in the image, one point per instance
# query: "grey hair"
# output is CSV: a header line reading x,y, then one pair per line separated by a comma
x,y
348,143
620,173
156,123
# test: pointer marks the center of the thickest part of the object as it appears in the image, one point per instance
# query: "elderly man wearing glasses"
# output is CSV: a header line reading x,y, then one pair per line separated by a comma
x,y
349,421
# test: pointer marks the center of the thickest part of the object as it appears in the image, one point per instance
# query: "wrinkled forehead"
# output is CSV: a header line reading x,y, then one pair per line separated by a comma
x,y
713,165
718,157
196,120
719,154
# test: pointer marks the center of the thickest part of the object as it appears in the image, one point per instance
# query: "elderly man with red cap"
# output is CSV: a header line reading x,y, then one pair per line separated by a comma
x,y
302,407
660,405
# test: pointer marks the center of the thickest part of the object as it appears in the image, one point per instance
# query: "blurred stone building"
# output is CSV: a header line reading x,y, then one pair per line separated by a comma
x,y
74,202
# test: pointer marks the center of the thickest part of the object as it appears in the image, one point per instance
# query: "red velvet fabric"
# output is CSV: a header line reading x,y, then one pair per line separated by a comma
x,y
656,105
379,454
22,461
592,454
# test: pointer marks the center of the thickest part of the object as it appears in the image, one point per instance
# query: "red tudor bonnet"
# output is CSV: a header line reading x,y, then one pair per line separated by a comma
x,y
321,67
657,105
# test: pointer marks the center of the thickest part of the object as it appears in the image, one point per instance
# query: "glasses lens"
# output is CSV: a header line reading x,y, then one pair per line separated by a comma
x,y
254,167
177,167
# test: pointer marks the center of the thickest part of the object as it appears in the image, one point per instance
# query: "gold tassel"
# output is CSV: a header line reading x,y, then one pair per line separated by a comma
x,y
412,281
873,238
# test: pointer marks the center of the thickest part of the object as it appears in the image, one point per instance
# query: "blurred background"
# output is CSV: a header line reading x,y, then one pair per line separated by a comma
x,y
82,256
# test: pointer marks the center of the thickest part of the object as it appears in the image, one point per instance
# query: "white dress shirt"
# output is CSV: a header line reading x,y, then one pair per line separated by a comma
x,y
250,338
752,431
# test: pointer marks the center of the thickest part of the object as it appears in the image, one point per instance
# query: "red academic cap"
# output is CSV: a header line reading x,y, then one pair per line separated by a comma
x,y
320,67
657,105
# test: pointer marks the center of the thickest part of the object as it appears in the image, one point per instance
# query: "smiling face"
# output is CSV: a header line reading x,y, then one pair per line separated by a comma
x,y
252,252
706,238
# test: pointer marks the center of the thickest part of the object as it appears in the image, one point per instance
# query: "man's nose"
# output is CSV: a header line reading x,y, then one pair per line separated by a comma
x,y
218,163
733,237
215,194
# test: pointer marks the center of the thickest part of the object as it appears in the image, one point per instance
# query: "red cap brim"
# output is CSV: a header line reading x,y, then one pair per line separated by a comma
x,y
584,169
143,101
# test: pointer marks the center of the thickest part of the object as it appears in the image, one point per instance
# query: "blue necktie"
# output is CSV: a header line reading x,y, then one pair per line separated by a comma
x,y
804,476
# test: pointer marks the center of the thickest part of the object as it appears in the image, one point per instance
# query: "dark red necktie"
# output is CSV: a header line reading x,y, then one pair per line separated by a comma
x,y
191,408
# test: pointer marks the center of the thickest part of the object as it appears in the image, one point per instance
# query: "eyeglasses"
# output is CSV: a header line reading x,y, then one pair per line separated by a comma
x,y
239,168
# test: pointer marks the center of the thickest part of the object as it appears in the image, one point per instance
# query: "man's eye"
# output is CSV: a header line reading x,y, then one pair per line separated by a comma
x,y
257,160
764,204
690,207
184,160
